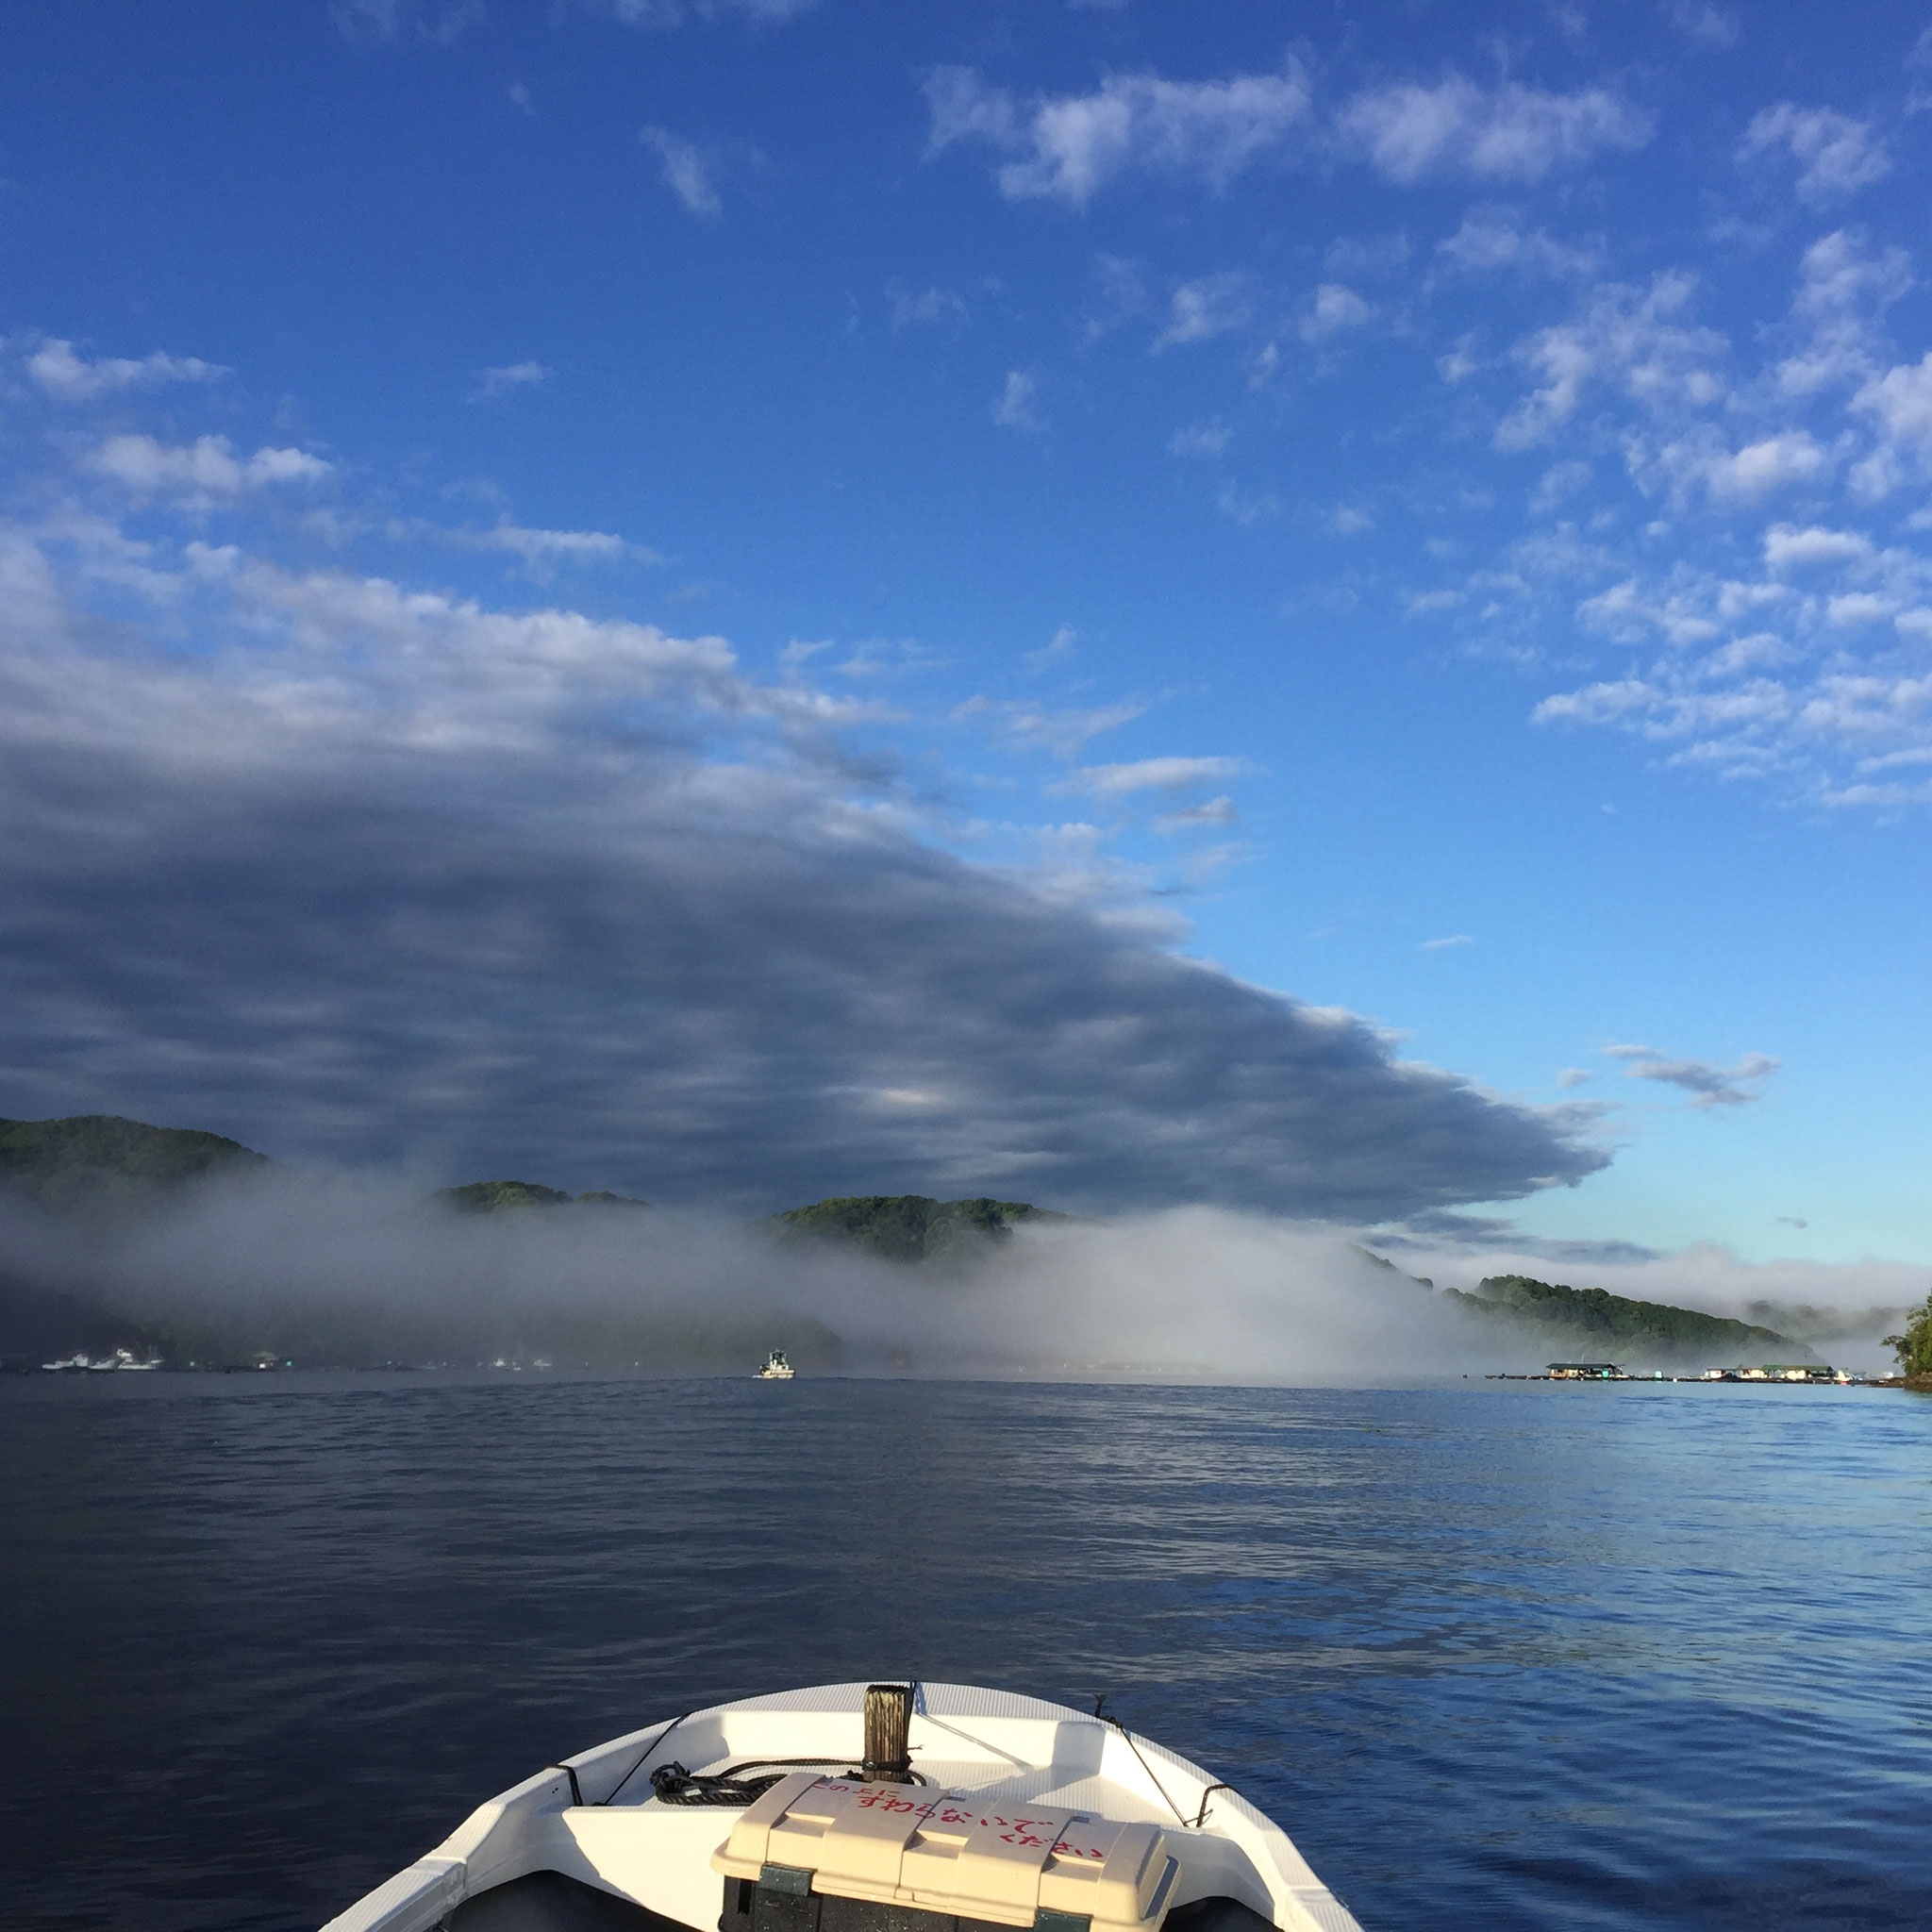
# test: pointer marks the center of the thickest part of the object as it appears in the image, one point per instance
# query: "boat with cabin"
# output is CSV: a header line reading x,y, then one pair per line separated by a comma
x,y
856,1807
776,1368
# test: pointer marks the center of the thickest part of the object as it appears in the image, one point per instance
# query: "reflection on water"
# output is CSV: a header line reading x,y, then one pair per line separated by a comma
x,y
1544,1656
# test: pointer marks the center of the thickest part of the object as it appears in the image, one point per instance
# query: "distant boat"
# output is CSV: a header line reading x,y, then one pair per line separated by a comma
x,y
776,1368
68,1364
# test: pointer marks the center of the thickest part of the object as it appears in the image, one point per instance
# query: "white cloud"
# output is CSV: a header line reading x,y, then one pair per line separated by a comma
x,y
1154,775
1492,240
1207,438
1901,401
501,381
1332,311
1460,362
1013,408
1854,610
1239,508
1639,341
1064,731
1844,291
927,307
1573,1077
1069,146
1744,476
1716,27
1454,938
1210,306
687,170
1360,257
674,14
386,20
206,468
1189,818
541,550
1557,484
1511,132
68,376
1787,547
1836,154
1061,648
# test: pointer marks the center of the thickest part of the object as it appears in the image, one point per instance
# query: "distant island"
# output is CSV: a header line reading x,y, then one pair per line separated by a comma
x,y
1590,1320
101,1170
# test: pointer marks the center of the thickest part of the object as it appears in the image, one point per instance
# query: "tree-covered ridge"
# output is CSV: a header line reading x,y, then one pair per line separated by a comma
x,y
1913,1347
499,1197
909,1227
100,1158
1574,1318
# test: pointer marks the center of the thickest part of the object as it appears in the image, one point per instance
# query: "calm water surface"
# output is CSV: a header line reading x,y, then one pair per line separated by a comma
x,y
1536,1658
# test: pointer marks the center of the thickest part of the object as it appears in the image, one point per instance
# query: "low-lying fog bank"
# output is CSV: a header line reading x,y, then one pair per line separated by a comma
x,y
357,1272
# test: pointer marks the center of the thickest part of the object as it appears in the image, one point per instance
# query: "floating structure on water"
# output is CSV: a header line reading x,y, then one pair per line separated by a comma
x,y
776,1368
1770,1371
855,1807
123,1359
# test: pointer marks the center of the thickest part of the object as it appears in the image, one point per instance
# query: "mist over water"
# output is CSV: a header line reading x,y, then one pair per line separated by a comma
x,y
366,1271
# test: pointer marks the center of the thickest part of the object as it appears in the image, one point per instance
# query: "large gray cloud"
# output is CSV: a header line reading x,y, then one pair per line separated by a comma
x,y
371,875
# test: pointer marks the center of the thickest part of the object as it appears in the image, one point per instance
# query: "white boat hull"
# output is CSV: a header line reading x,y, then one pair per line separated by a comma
x,y
593,1818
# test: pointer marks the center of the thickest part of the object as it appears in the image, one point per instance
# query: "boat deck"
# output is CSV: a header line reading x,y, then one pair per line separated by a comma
x,y
594,1819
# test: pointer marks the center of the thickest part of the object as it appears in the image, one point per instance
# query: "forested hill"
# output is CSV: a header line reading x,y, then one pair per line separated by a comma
x,y
1591,1322
909,1227
98,1160
512,1197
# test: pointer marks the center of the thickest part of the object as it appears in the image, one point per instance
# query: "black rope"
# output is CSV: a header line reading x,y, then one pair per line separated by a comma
x,y
736,1784
647,1757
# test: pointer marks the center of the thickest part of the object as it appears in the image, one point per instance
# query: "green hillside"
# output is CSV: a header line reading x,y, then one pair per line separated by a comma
x,y
512,1197
909,1227
1591,1323
97,1160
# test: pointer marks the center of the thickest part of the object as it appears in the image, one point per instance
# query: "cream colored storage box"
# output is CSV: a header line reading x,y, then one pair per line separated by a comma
x,y
940,1853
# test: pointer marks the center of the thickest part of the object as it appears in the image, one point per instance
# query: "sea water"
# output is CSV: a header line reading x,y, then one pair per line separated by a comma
x,y
1495,1656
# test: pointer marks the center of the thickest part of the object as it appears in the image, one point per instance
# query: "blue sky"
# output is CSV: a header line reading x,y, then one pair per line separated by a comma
x,y
844,541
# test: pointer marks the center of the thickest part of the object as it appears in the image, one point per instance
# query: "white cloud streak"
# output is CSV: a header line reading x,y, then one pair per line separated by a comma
x,y
1506,133
493,384
1068,147
687,170
1836,155
206,470
68,376
1155,775
1014,407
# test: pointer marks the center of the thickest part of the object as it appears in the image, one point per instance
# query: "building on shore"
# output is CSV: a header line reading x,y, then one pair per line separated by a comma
x,y
1586,1371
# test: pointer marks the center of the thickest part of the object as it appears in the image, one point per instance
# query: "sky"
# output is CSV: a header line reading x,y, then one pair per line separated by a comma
x,y
1314,608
